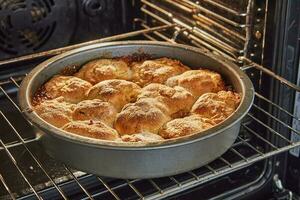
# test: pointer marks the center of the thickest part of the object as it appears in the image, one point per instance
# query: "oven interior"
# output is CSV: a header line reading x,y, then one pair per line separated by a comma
x,y
254,34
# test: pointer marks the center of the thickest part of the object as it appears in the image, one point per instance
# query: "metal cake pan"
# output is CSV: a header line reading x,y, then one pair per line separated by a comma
x,y
138,160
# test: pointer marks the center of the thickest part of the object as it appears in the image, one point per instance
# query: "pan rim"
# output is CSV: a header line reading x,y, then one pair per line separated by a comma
x,y
241,111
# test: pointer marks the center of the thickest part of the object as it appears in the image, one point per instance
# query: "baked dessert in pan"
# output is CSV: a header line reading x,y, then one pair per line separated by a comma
x,y
124,100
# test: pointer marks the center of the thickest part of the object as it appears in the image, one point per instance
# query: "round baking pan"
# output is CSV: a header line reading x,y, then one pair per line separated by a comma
x,y
138,160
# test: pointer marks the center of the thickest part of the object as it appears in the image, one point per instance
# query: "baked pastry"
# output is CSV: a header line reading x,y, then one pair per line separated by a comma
x,y
73,89
141,137
118,92
93,129
96,110
183,126
216,107
135,100
178,100
156,71
56,111
198,82
104,69
145,115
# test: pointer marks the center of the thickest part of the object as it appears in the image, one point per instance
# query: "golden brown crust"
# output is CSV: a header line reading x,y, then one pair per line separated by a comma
x,y
104,69
117,92
73,89
96,110
156,71
177,99
93,129
174,101
198,82
183,126
145,115
56,111
216,107
141,137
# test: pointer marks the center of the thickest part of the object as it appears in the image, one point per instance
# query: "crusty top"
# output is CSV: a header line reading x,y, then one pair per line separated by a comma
x,y
128,100
216,106
184,126
178,100
94,129
95,109
104,69
118,92
73,89
198,82
145,115
55,111
156,71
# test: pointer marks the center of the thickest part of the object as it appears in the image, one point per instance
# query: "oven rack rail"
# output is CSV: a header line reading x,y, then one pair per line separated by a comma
x,y
243,153
224,30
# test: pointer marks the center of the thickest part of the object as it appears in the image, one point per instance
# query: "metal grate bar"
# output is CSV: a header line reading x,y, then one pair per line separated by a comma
x,y
217,16
34,158
10,99
155,16
200,33
226,39
67,48
157,33
202,18
156,186
215,3
240,155
149,37
260,137
74,177
121,185
78,183
200,43
249,145
108,188
19,170
134,189
6,187
8,81
194,175
269,128
15,144
15,82
194,40
277,106
174,179
211,169
225,161
270,73
276,119
169,15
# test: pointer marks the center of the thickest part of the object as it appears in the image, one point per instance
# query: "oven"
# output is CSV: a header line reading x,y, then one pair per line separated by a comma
x,y
260,36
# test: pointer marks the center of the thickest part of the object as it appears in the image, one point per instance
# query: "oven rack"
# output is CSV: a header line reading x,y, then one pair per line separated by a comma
x,y
225,31
253,144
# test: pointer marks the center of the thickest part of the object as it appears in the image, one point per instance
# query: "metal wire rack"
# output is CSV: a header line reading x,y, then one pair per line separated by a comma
x,y
260,126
